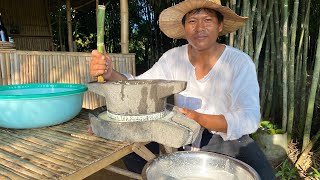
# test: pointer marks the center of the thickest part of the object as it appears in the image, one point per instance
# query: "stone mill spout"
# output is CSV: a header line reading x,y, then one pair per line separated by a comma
x,y
97,88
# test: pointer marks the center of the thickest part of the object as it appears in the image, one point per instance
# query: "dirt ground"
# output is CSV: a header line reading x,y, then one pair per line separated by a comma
x,y
108,175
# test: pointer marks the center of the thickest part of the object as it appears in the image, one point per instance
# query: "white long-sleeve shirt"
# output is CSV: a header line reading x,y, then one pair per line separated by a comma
x,y
230,88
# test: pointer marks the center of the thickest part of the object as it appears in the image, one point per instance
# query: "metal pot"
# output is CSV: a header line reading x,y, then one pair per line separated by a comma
x,y
200,165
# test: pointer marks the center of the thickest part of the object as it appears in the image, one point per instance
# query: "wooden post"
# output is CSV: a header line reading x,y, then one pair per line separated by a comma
x,y
69,25
124,26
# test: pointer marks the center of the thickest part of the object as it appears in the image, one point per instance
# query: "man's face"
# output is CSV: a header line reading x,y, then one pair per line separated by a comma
x,y
202,29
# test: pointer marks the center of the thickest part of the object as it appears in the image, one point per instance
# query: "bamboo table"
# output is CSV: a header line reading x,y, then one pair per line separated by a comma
x,y
65,151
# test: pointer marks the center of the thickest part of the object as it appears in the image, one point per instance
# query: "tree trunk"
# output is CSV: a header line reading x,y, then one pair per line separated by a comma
x,y
69,24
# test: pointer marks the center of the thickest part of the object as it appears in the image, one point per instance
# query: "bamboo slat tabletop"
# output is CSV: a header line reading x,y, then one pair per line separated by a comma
x,y
65,151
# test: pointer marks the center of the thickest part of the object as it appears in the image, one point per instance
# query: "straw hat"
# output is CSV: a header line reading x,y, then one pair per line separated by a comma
x,y
170,19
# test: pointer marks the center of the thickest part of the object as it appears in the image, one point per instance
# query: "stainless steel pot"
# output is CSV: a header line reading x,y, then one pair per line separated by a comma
x,y
192,165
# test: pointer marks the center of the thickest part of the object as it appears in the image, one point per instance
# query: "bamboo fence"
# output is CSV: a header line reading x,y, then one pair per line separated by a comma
x,y
26,67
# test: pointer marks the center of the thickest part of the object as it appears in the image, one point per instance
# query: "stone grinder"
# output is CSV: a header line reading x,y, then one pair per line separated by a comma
x,y
137,112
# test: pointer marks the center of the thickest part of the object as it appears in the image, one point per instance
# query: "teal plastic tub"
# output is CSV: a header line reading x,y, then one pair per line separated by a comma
x,y
24,106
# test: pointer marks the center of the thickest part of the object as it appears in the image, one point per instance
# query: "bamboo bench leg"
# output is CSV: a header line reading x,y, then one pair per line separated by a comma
x,y
169,149
143,152
123,172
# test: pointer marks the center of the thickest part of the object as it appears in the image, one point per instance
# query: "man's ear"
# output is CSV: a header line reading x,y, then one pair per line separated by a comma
x,y
220,27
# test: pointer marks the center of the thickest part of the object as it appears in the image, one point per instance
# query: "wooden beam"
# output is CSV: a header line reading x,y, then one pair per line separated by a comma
x,y
124,26
69,25
85,4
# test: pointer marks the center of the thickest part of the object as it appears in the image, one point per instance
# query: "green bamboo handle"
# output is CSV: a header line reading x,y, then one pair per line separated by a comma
x,y
100,33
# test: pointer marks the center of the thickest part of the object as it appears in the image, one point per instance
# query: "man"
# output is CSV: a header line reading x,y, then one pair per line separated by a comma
x,y
222,92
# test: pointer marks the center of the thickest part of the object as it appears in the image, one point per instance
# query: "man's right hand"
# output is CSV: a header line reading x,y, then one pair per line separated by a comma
x,y
100,64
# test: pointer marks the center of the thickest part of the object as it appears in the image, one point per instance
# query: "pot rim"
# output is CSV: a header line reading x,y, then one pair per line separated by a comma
x,y
241,163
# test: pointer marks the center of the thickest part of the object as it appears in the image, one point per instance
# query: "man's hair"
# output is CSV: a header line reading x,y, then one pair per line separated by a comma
x,y
195,11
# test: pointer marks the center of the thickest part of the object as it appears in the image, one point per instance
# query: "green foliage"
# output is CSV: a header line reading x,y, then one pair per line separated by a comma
x,y
315,173
286,171
268,127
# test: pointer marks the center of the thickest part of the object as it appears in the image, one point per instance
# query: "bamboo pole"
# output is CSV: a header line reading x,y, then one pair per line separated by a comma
x,y
34,69
124,15
8,69
242,30
3,69
246,28
270,95
304,71
23,63
100,33
231,35
264,30
284,66
16,68
258,22
69,25
59,69
265,75
291,63
12,69
42,68
312,96
250,26
278,39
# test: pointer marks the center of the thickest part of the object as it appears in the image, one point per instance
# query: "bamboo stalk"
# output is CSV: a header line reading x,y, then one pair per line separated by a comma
x,y
270,95
34,69
266,21
45,70
246,28
29,68
278,39
258,22
284,66
23,71
100,33
265,76
312,96
242,30
304,71
59,69
38,69
1,77
231,35
16,68
41,69
291,62
64,68
2,69
8,69
12,69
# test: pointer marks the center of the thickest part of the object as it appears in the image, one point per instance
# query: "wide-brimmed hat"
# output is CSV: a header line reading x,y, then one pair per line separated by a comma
x,y
170,19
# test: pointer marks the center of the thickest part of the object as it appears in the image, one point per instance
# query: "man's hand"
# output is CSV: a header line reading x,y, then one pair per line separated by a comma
x,y
189,113
210,122
100,65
